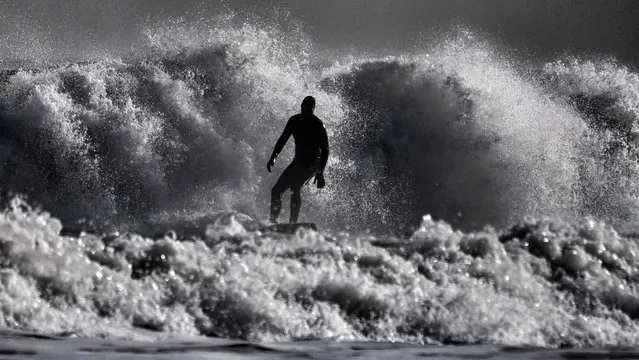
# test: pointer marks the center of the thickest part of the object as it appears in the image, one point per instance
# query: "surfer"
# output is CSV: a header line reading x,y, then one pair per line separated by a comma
x,y
311,155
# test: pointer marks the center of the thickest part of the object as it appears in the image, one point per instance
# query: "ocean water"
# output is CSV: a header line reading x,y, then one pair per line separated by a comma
x,y
476,206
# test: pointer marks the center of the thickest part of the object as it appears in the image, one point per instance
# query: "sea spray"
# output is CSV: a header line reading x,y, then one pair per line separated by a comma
x,y
469,200
604,93
543,283
460,133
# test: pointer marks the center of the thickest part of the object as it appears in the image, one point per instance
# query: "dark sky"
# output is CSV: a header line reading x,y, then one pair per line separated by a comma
x,y
539,28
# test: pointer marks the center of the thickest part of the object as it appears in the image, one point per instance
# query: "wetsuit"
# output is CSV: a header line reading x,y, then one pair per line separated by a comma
x,y
311,155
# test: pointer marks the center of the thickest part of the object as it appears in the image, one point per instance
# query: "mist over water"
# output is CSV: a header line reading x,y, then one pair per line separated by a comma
x,y
472,197
458,132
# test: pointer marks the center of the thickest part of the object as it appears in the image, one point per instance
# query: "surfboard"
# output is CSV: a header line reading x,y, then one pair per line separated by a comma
x,y
289,228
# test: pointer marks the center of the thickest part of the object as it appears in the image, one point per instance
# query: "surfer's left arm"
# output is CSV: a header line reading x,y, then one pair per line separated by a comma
x,y
279,145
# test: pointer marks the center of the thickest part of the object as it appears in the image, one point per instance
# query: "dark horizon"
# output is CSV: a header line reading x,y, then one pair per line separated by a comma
x,y
540,29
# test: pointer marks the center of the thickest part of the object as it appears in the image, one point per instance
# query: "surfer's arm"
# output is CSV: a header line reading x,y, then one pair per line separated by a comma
x,y
323,151
279,145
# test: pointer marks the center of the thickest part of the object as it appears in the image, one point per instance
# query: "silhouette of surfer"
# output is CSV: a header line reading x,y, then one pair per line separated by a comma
x,y
311,155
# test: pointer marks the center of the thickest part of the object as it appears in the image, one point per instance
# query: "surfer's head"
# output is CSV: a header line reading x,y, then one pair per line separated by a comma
x,y
308,104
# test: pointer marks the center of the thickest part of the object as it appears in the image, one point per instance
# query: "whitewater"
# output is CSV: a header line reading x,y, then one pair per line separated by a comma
x,y
476,205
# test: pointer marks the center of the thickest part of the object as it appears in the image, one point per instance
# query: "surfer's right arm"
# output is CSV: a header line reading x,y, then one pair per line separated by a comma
x,y
319,176
279,145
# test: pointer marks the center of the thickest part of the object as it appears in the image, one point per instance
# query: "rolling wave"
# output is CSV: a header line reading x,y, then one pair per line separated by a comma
x,y
469,200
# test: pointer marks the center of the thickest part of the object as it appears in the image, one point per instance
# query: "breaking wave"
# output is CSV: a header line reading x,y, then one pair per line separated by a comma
x,y
542,283
166,151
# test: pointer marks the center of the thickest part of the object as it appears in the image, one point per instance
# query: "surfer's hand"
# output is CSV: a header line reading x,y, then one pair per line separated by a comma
x,y
319,180
270,164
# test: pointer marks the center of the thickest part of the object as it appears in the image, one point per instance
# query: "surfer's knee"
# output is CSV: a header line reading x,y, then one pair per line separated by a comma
x,y
276,191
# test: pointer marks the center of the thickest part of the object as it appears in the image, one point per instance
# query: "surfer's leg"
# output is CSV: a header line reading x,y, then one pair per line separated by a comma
x,y
296,203
299,177
282,184
276,205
